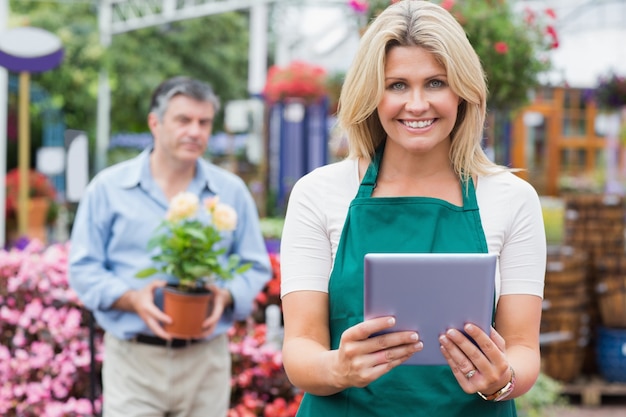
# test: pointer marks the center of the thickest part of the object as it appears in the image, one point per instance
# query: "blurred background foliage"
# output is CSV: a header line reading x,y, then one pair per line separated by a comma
x,y
212,48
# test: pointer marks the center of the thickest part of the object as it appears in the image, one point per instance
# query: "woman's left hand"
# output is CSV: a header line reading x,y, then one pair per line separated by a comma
x,y
483,368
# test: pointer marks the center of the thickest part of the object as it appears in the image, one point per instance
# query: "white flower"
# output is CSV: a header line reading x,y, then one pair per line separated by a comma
x,y
224,217
183,206
210,203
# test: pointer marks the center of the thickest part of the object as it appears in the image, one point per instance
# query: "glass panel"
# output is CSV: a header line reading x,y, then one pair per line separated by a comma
x,y
573,124
573,160
574,119
543,95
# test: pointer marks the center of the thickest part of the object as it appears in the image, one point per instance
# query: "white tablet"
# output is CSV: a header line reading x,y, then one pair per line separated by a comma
x,y
430,293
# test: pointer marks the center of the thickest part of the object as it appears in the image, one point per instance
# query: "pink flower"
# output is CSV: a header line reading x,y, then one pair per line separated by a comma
x,y
447,4
359,6
551,13
210,203
81,406
552,35
54,409
501,47
8,315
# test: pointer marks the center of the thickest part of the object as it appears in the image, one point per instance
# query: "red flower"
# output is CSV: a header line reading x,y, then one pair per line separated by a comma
x,y
550,12
299,79
551,31
501,47
39,186
447,4
529,16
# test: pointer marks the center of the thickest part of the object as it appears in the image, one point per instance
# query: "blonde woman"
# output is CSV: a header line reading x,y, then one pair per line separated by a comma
x,y
416,180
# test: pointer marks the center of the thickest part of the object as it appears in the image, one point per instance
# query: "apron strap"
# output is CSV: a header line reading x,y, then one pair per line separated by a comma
x,y
366,188
469,195
369,179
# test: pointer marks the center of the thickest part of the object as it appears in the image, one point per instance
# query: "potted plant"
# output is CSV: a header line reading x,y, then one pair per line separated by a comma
x,y
610,94
188,249
298,80
42,206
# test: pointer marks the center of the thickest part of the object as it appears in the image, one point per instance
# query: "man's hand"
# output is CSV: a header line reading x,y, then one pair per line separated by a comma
x,y
222,299
142,302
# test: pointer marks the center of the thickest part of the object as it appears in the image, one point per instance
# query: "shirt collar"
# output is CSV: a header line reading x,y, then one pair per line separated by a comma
x,y
140,173
134,175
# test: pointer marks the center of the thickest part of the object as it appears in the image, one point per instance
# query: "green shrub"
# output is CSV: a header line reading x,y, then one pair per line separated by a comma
x,y
542,397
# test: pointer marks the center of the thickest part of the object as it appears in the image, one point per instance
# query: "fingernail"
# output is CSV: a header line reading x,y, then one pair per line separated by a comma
x,y
392,321
418,345
414,336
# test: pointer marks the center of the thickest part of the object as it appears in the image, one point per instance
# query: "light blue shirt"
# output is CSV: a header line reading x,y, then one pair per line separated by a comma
x,y
117,216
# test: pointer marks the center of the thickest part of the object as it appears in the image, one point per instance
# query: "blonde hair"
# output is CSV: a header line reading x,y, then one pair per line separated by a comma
x,y
429,26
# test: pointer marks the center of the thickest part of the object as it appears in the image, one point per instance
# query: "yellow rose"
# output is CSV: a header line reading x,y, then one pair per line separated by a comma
x,y
224,217
183,205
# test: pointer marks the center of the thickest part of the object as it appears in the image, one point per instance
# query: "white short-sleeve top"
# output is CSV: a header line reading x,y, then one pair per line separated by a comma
x,y
510,212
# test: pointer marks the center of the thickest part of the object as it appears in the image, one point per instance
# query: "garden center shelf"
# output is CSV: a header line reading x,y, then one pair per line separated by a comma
x,y
592,390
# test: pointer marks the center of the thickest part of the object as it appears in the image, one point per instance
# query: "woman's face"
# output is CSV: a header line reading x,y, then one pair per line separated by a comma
x,y
418,109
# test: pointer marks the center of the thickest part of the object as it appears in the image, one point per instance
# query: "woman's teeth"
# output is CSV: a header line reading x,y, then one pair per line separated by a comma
x,y
418,124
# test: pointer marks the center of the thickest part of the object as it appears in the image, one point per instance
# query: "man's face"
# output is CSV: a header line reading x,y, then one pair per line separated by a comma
x,y
184,132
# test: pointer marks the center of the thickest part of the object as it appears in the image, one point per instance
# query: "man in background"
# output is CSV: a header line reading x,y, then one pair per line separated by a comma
x,y
145,370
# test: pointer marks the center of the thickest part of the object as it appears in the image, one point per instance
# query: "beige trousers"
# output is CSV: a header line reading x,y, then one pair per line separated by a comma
x,y
155,381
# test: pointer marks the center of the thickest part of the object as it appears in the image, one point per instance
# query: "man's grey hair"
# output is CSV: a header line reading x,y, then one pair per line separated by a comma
x,y
186,86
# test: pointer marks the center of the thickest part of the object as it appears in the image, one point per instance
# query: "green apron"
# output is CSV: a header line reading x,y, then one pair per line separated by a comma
x,y
399,224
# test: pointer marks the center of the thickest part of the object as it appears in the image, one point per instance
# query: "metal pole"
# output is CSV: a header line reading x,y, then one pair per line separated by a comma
x,y
104,91
257,66
4,93
23,152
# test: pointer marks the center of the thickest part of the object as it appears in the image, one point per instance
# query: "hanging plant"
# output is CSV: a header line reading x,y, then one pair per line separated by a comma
x,y
513,47
611,91
297,80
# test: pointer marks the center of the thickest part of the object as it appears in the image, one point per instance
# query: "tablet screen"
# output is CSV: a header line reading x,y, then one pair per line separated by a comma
x,y
430,293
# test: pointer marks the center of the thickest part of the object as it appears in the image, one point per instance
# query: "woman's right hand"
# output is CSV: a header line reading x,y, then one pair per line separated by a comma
x,y
363,358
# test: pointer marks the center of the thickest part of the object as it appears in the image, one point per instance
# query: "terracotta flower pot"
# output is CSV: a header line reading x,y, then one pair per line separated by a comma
x,y
37,213
36,222
187,310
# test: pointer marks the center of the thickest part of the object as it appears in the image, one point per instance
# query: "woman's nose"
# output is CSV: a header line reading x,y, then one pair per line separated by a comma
x,y
417,101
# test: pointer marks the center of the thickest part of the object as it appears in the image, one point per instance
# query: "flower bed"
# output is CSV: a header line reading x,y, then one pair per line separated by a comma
x,y
45,359
44,342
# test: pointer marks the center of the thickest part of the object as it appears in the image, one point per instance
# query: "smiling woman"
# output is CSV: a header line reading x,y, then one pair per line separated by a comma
x,y
416,181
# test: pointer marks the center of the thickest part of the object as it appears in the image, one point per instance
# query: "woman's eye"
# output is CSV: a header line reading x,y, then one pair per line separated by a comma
x,y
397,86
436,83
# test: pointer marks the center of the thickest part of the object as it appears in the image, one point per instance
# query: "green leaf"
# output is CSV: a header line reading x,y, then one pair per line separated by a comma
x,y
197,233
243,268
144,273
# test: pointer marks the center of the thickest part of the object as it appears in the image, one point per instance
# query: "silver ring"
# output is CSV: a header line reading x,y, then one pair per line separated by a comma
x,y
470,374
